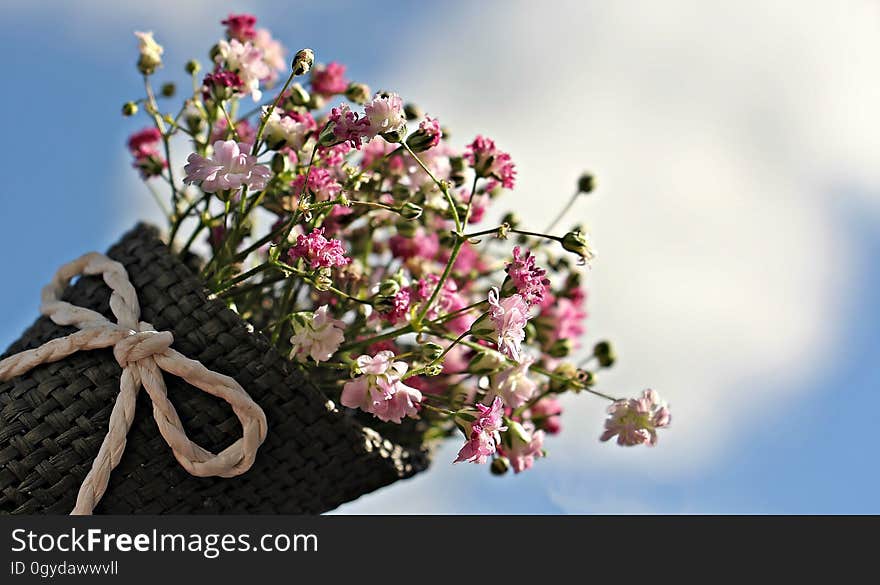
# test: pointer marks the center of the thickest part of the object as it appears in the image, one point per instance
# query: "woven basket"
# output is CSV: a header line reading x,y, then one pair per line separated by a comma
x,y
53,419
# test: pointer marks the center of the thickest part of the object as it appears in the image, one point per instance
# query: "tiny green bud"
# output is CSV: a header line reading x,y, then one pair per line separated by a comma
x,y
279,163
316,101
511,219
486,362
499,466
298,95
192,67
586,377
389,288
434,370
168,89
586,183
214,52
129,109
605,354
395,136
576,243
359,93
323,280
303,61
413,112
407,228
430,351
561,348
411,211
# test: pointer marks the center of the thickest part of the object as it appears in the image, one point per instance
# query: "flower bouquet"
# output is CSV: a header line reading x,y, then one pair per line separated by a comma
x,y
345,283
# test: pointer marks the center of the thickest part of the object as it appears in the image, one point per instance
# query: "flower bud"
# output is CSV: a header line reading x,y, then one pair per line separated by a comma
x,y
129,109
303,61
586,377
413,112
576,243
316,101
605,354
560,348
298,96
359,93
484,329
430,351
395,136
586,183
410,211
511,220
486,362
150,53
279,163
434,369
500,466
389,288
565,370
192,67
327,137
168,89
407,228
323,280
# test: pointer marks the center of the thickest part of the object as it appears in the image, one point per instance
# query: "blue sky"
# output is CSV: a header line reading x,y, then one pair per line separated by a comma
x,y
737,217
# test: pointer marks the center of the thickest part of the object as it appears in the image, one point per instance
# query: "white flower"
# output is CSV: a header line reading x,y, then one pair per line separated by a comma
x,y
292,130
385,113
150,50
318,338
246,60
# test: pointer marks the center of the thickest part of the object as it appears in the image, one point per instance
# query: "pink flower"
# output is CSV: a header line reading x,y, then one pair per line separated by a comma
x,y
430,132
229,168
530,281
514,384
334,156
221,84
318,337
546,413
563,318
488,161
246,61
240,26
348,126
318,251
526,445
484,434
379,389
144,142
290,129
321,184
421,245
509,316
329,80
635,420
385,113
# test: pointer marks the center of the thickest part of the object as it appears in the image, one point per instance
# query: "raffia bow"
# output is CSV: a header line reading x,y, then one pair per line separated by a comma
x,y
142,353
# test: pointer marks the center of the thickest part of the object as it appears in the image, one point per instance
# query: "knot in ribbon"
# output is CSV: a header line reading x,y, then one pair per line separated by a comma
x,y
143,354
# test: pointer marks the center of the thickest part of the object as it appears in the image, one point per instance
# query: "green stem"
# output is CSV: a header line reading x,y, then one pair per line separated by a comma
x,y
444,188
265,118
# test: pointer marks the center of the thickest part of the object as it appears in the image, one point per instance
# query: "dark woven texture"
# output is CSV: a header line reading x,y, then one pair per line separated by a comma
x,y
53,419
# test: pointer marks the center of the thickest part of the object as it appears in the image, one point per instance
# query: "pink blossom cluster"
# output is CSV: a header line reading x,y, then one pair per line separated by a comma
x,y
355,235
635,421
230,167
489,161
380,389
318,251
143,146
483,434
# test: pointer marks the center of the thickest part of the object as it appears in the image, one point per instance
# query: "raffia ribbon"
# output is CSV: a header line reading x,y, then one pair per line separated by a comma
x,y
143,353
